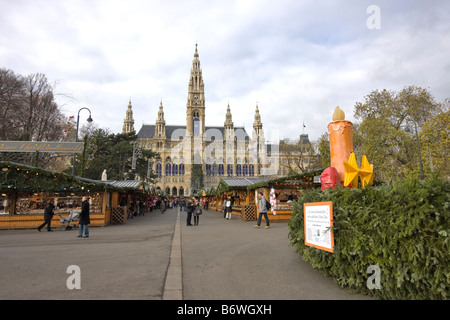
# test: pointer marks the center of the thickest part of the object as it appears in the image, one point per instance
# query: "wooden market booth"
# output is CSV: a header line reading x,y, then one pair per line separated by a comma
x,y
244,192
243,200
286,190
25,191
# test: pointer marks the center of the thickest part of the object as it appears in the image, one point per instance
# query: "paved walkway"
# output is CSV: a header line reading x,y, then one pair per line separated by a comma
x,y
157,256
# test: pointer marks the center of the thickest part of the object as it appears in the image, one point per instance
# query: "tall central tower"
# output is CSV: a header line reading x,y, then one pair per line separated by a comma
x,y
195,108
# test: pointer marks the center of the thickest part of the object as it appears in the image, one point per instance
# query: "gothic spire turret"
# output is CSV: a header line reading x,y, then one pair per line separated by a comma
x,y
257,124
160,129
128,123
228,119
195,107
258,133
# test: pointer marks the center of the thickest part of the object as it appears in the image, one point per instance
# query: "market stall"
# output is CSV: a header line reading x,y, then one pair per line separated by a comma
x,y
25,192
282,192
243,200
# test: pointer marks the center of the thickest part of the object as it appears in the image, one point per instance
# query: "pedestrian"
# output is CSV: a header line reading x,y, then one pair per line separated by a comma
x,y
84,218
132,209
48,216
141,207
190,206
197,212
229,207
262,208
162,206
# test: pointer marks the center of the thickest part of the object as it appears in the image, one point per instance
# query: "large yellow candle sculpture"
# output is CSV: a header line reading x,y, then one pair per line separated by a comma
x,y
341,141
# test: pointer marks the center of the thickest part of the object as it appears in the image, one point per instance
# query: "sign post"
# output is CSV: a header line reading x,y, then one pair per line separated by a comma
x,y
33,146
318,220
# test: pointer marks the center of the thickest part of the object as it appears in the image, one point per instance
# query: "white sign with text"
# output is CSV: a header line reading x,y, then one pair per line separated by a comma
x,y
318,220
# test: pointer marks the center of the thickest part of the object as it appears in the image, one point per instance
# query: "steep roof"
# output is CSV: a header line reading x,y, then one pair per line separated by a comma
x,y
147,131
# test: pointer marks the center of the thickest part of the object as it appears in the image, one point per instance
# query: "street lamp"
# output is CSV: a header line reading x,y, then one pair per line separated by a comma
x,y
407,129
76,135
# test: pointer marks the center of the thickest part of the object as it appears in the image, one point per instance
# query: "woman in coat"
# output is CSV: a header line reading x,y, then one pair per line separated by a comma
x,y
197,212
84,218
228,207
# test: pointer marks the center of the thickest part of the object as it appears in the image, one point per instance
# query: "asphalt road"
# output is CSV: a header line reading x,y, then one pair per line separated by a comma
x,y
156,257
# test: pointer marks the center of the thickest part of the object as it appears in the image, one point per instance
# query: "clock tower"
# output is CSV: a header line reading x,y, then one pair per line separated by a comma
x,y
195,108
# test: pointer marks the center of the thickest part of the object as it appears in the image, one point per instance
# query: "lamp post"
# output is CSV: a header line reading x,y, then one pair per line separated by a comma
x,y
76,134
418,147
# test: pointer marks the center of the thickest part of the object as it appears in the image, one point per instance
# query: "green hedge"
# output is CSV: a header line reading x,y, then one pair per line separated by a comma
x,y
404,229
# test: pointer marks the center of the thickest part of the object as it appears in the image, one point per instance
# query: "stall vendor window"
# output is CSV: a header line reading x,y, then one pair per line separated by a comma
x,y
35,203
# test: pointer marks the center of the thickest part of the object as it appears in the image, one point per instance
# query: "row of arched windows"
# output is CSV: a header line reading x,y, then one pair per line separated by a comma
x,y
211,170
171,170
241,170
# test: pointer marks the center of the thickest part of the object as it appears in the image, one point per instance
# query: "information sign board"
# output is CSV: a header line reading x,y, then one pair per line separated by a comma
x,y
318,220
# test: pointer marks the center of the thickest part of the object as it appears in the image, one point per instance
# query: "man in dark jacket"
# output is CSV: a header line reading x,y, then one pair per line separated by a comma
x,y
48,216
84,218
190,209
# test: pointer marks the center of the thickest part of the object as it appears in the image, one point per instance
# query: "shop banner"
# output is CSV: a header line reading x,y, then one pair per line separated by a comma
x,y
33,146
318,220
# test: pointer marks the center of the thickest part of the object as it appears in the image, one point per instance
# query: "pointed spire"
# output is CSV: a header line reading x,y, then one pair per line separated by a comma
x,y
160,129
128,123
257,116
160,113
196,51
228,118
257,125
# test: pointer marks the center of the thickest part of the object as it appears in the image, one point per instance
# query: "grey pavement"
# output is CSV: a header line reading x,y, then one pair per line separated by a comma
x,y
156,257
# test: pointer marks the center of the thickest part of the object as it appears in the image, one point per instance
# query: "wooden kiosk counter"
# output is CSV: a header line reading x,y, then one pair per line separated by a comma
x,y
25,192
281,192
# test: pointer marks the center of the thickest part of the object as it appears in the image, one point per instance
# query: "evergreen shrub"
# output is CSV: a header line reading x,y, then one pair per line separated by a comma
x,y
404,229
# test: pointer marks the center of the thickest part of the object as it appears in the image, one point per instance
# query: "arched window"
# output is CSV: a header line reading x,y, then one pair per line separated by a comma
x,y
244,170
175,170
221,172
168,169
238,170
168,190
230,170
158,169
214,170
208,169
174,191
251,170
181,169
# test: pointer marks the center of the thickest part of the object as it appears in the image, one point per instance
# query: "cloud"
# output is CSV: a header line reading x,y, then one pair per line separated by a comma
x,y
297,60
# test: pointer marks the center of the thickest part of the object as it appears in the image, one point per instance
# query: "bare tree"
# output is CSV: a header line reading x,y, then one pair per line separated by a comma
x,y
29,113
11,97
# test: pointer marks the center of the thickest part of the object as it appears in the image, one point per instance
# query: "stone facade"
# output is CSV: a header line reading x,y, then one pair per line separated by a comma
x,y
225,151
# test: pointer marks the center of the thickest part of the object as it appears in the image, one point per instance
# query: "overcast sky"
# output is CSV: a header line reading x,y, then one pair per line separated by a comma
x,y
298,59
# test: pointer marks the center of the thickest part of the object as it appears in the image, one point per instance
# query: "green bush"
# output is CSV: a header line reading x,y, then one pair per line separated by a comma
x,y
403,229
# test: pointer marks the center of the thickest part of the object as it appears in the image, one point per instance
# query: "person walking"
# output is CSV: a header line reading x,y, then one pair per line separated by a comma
x,y
84,218
48,216
228,207
197,212
190,206
262,208
162,206
141,207
132,209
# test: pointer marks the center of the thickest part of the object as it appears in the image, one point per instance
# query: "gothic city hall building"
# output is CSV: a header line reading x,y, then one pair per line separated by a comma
x,y
215,151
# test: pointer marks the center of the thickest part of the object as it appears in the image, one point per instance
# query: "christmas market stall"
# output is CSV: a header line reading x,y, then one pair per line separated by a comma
x,y
282,192
243,200
25,192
